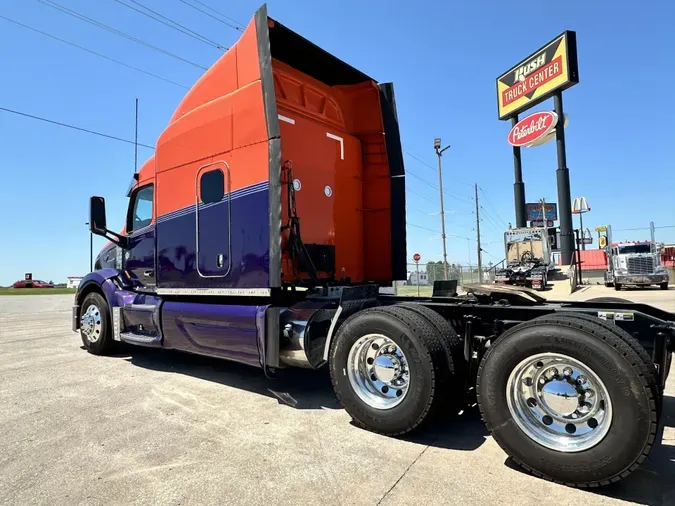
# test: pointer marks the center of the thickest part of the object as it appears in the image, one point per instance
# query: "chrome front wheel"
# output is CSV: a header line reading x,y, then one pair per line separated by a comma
x,y
559,402
90,323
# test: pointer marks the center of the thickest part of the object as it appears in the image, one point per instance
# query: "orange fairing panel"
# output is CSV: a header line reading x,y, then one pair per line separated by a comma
x,y
332,135
224,119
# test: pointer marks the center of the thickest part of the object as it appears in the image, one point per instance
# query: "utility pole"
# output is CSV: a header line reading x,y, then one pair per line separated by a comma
x,y
439,153
480,263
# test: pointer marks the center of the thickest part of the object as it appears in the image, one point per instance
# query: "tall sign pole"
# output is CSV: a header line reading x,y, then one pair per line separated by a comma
x,y
518,185
563,178
542,75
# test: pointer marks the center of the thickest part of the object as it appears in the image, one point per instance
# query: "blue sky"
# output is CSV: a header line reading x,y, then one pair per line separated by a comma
x,y
443,58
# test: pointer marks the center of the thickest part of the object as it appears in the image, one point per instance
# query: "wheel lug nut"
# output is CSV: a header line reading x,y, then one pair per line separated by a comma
x,y
392,349
581,380
589,393
551,373
542,381
567,371
574,415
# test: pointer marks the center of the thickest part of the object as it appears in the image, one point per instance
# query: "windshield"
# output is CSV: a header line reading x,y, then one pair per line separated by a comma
x,y
635,248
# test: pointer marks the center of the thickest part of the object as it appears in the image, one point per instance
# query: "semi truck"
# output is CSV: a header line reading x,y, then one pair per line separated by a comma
x,y
528,258
635,263
262,229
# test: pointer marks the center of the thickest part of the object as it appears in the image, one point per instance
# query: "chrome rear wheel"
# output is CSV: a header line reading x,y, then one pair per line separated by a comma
x,y
559,402
378,371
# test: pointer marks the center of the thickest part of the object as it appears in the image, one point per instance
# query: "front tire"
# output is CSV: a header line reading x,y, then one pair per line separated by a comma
x,y
617,287
387,366
95,327
664,286
569,400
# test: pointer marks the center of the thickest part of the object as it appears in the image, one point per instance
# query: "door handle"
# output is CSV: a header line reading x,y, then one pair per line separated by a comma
x,y
148,274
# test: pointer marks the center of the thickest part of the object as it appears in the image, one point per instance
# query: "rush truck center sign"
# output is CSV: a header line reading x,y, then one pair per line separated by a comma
x,y
534,79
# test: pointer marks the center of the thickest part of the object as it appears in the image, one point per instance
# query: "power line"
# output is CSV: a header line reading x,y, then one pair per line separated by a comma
x,y
432,185
73,127
489,254
637,229
490,219
431,166
240,25
491,206
160,18
408,190
423,228
212,16
54,5
95,53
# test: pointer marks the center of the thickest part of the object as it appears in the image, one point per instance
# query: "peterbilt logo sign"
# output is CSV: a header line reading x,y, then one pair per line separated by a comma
x,y
532,128
551,68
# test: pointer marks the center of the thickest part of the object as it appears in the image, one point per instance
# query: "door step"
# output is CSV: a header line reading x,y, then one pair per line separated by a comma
x,y
141,339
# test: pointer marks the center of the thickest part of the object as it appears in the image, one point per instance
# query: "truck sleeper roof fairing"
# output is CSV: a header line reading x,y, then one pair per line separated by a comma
x,y
274,105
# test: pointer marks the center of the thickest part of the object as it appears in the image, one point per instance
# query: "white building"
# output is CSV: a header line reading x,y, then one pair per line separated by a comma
x,y
73,281
412,278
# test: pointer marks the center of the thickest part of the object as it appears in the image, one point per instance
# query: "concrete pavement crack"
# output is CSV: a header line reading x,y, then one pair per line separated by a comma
x,y
403,474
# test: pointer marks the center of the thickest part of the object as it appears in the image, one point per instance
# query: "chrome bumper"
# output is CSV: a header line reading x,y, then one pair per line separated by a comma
x,y
645,279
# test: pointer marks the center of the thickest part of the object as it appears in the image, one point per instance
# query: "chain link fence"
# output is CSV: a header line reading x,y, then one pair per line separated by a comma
x,y
421,277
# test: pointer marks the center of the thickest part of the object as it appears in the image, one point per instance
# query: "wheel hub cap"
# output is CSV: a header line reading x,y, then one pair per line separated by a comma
x,y
378,371
560,397
90,323
559,402
387,368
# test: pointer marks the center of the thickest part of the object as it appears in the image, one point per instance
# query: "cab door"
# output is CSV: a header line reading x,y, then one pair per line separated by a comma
x,y
139,258
212,216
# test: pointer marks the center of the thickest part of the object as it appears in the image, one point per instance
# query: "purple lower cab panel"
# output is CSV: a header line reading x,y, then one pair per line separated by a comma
x,y
217,330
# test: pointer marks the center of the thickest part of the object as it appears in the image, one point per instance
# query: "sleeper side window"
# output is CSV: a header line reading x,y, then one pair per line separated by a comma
x,y
141,211
212,186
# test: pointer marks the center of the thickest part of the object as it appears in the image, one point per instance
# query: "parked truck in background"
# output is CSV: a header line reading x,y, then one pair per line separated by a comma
x,y
635,263
261,230
527,257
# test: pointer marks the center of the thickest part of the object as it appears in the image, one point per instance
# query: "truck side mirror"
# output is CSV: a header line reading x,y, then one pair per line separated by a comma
x,y
98,225
97,221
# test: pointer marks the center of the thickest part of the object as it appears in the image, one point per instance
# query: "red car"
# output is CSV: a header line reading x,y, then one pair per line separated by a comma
x,y
32,283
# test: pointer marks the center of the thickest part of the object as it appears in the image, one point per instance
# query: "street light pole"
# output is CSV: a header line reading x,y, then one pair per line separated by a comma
x,y
439,153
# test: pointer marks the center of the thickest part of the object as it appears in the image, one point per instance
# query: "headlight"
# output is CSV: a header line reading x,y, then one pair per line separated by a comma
x,y
661,270
622,271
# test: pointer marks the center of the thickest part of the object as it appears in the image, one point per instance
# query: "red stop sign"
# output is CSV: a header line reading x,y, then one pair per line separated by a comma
x,y
417,257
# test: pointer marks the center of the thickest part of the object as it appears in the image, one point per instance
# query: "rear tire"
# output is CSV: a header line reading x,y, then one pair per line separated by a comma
x,y
626,419
453,392
95,326
361,370
605,326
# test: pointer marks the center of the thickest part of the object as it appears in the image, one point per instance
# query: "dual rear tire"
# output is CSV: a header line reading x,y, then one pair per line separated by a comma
x,y
392,367
569,397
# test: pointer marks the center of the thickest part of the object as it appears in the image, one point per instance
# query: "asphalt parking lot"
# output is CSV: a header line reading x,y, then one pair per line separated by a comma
x,y
154,427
